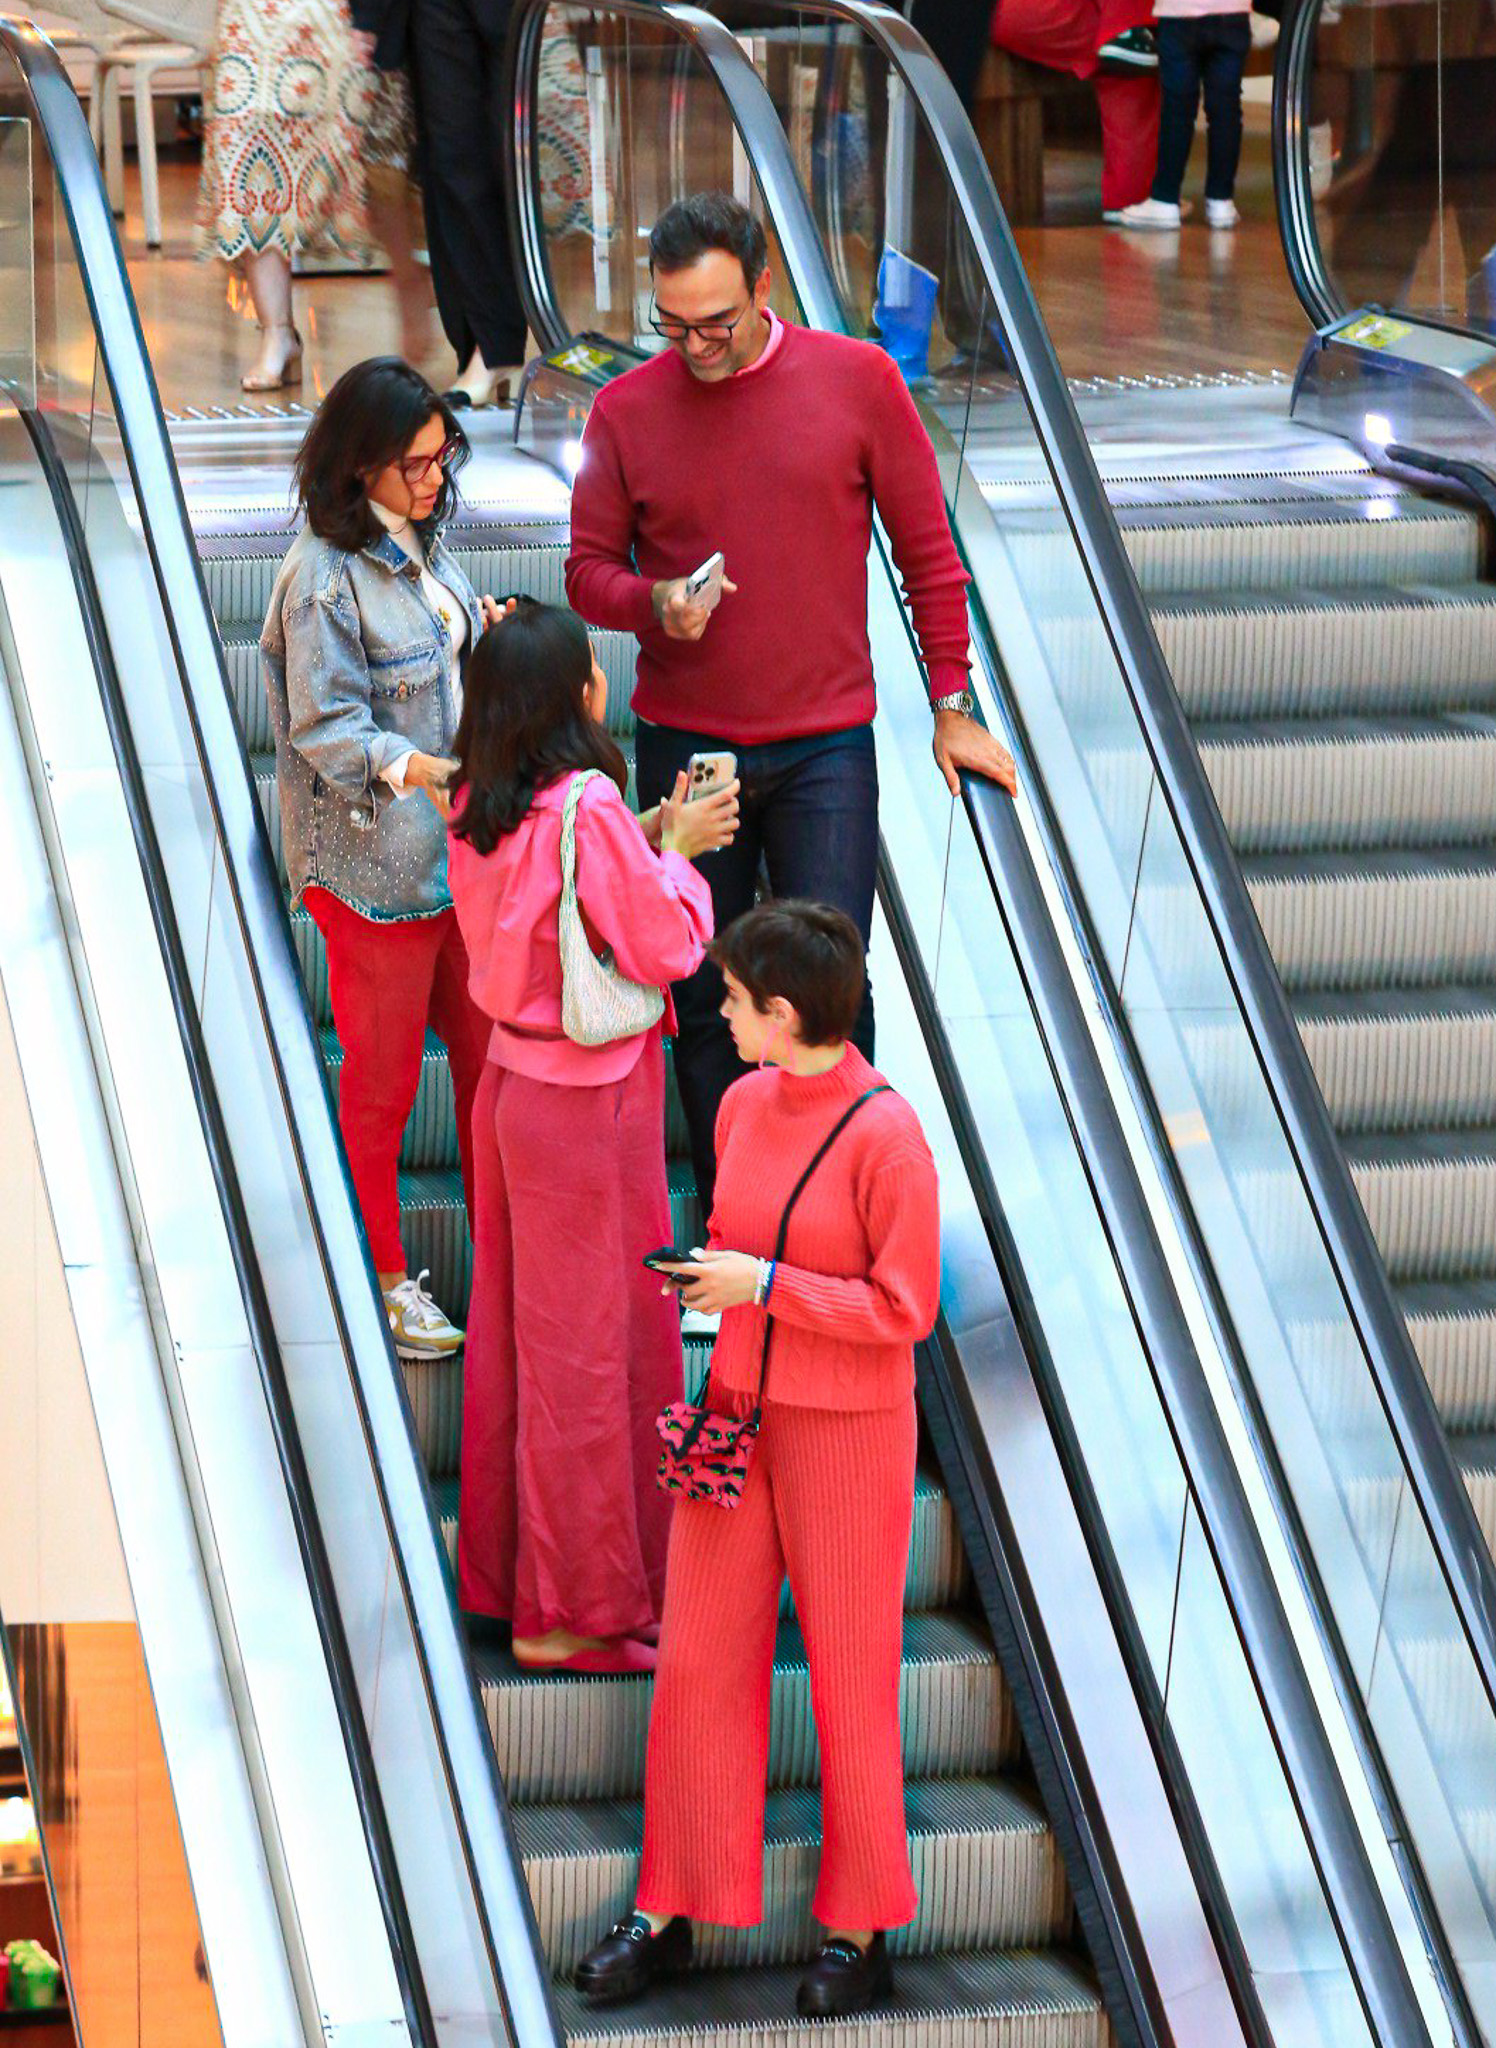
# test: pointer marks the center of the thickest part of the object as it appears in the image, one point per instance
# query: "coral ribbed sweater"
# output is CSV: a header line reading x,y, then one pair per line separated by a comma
x,y
859,1284
780,467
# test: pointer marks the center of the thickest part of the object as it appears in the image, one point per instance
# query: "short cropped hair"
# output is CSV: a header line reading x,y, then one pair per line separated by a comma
x,y
809,954
690,227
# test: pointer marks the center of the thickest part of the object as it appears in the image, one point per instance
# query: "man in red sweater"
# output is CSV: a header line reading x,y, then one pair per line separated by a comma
x,y
774,444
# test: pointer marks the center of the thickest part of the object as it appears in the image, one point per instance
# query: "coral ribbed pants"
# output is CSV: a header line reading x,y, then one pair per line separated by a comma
x,y
571,1354
388,978
830,1500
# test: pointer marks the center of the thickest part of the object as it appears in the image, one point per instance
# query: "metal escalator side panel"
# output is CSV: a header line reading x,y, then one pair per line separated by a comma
x,y
440,1791
172,1382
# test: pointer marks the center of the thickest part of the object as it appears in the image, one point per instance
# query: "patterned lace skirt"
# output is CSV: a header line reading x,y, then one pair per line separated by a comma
x,y
286,114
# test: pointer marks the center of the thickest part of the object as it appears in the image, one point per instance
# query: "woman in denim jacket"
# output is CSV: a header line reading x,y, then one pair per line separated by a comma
x,y
363,649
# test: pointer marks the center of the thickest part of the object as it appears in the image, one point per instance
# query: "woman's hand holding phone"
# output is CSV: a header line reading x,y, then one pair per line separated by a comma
x,y
701,827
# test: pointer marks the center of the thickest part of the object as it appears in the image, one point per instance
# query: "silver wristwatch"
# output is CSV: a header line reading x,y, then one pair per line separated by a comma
x,y
958,700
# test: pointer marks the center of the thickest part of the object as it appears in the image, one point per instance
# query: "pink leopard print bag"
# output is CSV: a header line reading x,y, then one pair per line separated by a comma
x,y
707,1456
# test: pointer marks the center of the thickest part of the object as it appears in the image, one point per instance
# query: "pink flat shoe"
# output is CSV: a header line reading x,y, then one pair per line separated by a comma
x,y
623,1658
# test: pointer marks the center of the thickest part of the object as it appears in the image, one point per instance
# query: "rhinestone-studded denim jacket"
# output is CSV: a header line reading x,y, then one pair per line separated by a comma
x,y
358,666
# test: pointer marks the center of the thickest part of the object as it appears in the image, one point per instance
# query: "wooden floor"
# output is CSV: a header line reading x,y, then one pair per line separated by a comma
x,y
1117,303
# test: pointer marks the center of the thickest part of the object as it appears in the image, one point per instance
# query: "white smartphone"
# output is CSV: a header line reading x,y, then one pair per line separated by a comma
x,y
707,773
704,585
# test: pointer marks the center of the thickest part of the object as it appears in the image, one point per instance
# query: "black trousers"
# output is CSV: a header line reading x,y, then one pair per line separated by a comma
x,y
809,812
457,47
1209,51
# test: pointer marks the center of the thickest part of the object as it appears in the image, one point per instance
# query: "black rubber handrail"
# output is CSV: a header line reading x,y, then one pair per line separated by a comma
x,y
1402,1387
1226,1517
465,1748
1298,226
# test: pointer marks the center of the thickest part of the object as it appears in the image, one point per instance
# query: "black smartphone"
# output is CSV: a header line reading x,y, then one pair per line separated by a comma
x,y
667,1255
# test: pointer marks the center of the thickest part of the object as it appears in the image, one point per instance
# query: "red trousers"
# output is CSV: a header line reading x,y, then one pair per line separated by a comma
x,y
1065,35
830,1499
389,979
572,1352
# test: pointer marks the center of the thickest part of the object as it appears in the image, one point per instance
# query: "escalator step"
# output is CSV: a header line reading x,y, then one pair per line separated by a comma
x,y
1430,1197
1453,1327
617,653
1295,784
986,1866
498,557
1401,648
433,1386
1401,1059
1002,1999
1476,1458
1373,919
434,1230
568,1737
1343,545
937,1563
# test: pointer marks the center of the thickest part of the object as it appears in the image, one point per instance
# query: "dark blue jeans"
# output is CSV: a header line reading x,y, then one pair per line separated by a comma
x,y
809,812
1209,51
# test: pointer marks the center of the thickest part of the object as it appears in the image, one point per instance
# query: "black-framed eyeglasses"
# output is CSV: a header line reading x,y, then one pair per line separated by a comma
x,y
709,330
416,468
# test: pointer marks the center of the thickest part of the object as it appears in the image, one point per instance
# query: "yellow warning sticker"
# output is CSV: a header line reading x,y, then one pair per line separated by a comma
x,y
1375,330
580,358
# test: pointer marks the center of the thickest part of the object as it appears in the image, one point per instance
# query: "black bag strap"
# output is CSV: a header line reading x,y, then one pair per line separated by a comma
x,y
825,1146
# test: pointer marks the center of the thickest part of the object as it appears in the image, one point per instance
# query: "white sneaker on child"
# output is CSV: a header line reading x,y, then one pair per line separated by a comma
x,y
1149,213
1221,213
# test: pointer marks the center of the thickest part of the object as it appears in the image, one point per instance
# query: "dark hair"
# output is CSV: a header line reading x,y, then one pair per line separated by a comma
x,y
523,720
368,420
808,953
690,227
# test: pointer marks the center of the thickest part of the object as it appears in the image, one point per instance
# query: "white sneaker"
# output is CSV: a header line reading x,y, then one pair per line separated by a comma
x,y
695,1322
1221,213
1149,213
420,1328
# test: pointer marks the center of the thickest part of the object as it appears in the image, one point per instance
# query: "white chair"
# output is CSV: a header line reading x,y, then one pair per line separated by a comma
x,y
146,39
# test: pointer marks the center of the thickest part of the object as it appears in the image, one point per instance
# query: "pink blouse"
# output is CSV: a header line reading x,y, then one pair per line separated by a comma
x,y
654,910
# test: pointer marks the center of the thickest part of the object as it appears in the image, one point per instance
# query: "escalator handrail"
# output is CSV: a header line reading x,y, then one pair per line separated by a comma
x,y
753,115
1298,223
1402,1386
1302,1742
461,1733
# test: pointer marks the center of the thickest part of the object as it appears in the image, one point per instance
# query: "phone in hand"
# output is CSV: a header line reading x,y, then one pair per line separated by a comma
x,y
707,773
667,1256
704,585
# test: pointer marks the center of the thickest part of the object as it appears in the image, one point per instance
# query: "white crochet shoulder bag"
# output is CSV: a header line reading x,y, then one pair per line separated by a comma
x,y
598,1004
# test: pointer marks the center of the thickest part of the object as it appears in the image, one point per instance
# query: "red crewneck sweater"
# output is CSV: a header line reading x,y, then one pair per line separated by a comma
x,y
859,1283
780,468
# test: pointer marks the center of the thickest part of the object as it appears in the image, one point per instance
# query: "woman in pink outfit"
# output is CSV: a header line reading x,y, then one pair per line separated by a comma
x,y
571,1352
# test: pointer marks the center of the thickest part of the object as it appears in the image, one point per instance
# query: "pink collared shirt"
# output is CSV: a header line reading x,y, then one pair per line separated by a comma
x,y
654,910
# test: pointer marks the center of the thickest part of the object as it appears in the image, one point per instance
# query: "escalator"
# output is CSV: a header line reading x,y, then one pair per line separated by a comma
x,y
1133,1810
1249,688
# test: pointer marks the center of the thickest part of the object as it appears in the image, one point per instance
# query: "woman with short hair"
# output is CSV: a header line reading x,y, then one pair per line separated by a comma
x,y
363,651
829,1493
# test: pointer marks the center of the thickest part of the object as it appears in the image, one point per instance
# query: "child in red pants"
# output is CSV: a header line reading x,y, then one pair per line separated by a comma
x,y
830,1492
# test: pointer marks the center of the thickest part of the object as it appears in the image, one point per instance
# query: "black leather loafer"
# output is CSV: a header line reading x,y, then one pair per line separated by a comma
x,y
845,1978
629,1958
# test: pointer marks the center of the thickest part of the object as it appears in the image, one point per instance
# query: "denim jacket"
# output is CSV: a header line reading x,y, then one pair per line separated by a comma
x,y
358,670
